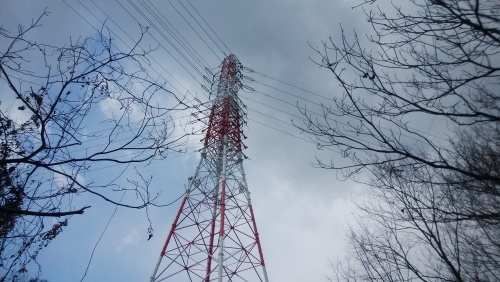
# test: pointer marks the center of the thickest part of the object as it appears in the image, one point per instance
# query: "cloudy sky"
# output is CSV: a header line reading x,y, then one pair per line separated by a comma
x,y
301,212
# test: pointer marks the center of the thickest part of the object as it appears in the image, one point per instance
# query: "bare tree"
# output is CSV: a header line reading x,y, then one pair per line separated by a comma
x,y
53,134
422,225
437,191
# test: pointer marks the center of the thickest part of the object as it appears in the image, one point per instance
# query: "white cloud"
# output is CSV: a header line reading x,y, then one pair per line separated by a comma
x,y
63,181
131,239
111,108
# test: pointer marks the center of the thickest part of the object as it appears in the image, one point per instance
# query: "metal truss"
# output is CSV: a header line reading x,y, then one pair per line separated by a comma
x,y
214,235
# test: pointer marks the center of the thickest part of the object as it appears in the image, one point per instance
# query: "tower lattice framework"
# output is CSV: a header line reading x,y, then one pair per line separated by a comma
x,y
214,234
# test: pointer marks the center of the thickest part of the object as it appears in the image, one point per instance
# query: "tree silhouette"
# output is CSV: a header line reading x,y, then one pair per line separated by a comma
x,y
419,122
66,111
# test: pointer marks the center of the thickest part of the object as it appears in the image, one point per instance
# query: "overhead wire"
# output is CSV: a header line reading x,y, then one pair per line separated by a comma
x,y
86,148
166,38
119,38
209,27
137,9
172,34
210,37
292,135
152,58
126,10
164,24
176,33
192,55
271,107
303,89
321,105
294,86
85,19
100,237
188,151
329,109
198,60
109,222
256,72
132,128
129,36
149,9
324,116
299,88
90,24
194,30
222,51
89,139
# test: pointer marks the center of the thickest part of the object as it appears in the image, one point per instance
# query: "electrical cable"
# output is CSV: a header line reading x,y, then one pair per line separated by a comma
x,y
201,27
289,134
166,38
308,101
158,43
100,237
119,38
293,115
107,225
209,27
131,39
195,30
327,98
294,86
281,81
175,32
164,48
150,57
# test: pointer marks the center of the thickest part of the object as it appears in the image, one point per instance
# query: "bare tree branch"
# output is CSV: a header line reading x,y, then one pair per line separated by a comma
x,y
68,111
34,213
436,189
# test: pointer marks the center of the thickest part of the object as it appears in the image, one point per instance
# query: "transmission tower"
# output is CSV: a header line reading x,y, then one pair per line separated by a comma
x,y
214,235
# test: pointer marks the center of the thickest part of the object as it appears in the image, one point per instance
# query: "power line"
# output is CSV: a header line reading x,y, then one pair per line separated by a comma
x,y
210,27
182,65
329,109
257,72
291,85
132,40
166,38
257,81
294,136
195,31
293,115
100,237
119,38
274,108
172,34
202,27
150,57
175,32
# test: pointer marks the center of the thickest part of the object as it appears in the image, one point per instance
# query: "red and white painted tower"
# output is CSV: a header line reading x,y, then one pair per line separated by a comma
x,y
214,235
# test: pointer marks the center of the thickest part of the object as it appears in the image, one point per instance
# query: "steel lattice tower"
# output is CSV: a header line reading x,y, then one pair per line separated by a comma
x,y
214,235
